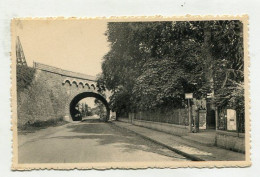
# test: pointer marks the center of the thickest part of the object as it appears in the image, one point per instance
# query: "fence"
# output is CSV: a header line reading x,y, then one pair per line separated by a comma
x,y
174,116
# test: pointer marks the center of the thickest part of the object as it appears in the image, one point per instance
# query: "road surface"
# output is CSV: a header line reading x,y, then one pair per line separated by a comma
x,y
89,141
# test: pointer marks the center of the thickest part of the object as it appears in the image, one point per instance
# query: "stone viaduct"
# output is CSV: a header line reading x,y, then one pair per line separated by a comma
x,y
70,87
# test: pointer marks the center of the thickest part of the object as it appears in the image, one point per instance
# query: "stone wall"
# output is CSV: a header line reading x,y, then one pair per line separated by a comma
x,y
42,100
150,120
228,140
173,121
124,119
49,94
173,129
231,140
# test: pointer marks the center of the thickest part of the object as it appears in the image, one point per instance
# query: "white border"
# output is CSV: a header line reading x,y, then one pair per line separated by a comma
x,y
83,8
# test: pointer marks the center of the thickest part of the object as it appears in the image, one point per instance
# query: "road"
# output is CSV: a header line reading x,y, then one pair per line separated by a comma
x,y
89,141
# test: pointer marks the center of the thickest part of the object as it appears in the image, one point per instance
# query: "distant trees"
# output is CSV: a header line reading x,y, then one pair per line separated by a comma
x,y
152,64
99,109
84,109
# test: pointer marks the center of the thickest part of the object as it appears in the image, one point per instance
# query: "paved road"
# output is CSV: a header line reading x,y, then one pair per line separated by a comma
x,y
89,141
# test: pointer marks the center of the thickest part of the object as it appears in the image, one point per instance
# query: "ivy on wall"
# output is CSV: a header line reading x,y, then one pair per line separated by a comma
x,y
39,100
24,77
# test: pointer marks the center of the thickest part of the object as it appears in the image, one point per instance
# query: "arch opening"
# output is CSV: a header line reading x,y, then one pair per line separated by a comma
x,y
75,113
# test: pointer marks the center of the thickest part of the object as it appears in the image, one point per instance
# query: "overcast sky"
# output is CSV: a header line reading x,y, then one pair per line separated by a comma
x,y
75,45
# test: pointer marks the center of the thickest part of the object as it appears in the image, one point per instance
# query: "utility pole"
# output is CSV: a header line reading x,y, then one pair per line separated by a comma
x,y
190,122
189,96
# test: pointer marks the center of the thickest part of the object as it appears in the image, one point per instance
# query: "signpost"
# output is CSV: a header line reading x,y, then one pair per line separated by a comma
x,y
210,95
189,96
231,119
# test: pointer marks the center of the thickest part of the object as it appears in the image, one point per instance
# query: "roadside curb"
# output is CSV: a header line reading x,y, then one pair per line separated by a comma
x,y
189,156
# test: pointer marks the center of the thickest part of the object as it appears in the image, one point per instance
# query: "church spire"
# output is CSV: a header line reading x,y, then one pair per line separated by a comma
x,y
20,58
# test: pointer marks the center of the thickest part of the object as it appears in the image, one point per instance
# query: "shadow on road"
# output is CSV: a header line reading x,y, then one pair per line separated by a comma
x,y
107,133
92,120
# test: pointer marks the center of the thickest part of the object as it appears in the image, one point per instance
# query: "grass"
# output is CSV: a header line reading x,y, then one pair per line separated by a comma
x,y
37,125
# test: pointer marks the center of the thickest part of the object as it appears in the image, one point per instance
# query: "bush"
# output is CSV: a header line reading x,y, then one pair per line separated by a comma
x,y
38,124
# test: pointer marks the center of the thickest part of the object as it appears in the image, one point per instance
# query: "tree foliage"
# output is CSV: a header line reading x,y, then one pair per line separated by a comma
x,y
152,64
100,109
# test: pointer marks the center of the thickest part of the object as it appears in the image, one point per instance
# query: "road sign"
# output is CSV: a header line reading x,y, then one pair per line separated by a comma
x,y
209,95
188,95
231,119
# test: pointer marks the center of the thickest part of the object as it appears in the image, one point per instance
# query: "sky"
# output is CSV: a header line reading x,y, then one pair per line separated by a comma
x,y
75,45
89,100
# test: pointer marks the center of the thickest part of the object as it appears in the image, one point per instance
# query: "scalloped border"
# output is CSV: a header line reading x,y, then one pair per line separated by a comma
x,y
135,165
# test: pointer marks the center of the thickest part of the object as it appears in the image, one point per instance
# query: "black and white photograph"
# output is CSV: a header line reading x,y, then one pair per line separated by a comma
x,y
154,92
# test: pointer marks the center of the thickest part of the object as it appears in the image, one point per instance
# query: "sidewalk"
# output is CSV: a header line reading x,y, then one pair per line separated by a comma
x,y
189,149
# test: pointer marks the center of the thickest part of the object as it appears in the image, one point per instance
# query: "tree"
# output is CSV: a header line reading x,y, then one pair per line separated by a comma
x,y
152,64
229,64
100,109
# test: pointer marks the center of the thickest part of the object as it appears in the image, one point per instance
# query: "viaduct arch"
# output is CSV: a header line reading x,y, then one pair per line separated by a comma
x,y
71,87
75,98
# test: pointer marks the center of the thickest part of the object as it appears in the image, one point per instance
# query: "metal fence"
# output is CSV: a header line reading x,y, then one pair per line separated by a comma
x,y
174,116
